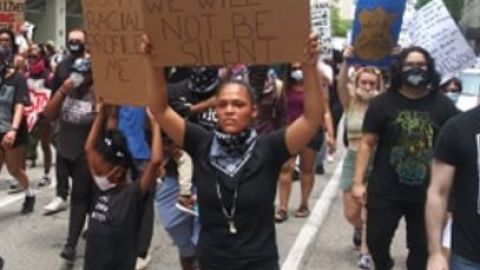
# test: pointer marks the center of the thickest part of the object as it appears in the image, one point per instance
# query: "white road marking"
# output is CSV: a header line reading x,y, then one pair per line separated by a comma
x,y
314,222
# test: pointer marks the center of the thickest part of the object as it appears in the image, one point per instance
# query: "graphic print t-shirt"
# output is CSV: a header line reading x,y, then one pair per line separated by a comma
x,y
459,145
113,228
13,91
406,129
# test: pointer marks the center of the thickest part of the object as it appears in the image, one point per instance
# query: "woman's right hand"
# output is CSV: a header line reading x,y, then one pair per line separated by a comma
x,y
359,192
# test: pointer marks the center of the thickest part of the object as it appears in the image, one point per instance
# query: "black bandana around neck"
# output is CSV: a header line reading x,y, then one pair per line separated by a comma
x,y
229,153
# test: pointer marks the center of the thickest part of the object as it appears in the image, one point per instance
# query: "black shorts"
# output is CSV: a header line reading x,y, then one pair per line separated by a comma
x,y
317,141
20,139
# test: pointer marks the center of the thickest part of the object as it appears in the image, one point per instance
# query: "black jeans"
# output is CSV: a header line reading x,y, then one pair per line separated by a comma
x,y
382,220
145,232
82,193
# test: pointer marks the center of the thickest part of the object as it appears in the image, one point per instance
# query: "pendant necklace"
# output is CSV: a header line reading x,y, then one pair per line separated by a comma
x,y
229,215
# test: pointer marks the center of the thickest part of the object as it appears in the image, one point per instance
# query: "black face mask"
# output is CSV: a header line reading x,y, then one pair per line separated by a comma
x,y
76,48
415,77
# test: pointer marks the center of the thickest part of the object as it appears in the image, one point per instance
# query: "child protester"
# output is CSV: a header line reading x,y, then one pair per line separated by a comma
x,y
115,215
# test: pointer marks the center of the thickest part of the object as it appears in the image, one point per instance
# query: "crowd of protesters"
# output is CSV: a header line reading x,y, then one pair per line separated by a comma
x,y
213,146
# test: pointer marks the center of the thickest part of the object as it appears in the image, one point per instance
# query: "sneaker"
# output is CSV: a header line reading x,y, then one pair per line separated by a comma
x,y
45,181
319,169
142,263
365,262
56,205
1,263
357,237
28,205
330,158
68,253
14,188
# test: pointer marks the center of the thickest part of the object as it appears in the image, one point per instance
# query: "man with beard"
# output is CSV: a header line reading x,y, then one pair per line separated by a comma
x,y
402,125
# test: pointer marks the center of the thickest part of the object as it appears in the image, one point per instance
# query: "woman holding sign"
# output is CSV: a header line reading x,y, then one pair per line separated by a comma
x,y
236,171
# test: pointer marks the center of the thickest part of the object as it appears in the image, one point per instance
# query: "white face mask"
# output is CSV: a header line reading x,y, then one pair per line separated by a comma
x,y
365,95
454,96
103,183
297,75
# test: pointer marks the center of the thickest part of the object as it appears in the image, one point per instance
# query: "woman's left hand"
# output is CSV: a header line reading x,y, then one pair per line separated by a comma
x,y
313,49
9,139
332,146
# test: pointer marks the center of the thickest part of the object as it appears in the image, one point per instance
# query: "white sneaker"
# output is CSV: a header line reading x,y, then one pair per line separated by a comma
x,y
142,263
365,262
56,205
330,158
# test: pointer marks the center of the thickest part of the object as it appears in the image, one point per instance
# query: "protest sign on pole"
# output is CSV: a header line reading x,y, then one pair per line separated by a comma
x,y
434,29
121,72
376,29
321,23
225,32
12,14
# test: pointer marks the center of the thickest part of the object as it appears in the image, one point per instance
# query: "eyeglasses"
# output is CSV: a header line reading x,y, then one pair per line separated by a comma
x,y
415,64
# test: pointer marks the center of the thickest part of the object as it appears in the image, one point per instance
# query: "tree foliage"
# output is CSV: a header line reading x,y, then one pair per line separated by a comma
x,y
340,26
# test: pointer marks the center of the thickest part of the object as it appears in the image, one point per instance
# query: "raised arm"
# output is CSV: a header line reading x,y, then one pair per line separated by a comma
x,y
305,127
95,130
343,80
173,124
52,110
436,210
150,173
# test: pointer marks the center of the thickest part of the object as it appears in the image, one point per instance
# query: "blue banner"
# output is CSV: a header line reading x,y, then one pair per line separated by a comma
x,y
376,29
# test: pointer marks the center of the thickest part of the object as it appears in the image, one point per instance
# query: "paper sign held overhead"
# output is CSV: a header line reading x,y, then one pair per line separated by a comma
x,y
375,31
434,29
122,73
12,14
321,23
225,32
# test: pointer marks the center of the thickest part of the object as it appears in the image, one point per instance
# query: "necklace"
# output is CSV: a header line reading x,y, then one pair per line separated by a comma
x,y
229,215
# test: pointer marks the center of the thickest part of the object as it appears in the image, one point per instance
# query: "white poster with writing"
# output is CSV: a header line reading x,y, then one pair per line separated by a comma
x,y
320,14
434,29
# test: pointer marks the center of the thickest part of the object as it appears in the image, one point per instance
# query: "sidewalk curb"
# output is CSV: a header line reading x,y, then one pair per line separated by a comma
x,y
310,229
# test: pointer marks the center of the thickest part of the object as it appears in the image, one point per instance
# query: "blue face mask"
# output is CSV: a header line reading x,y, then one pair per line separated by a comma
x,y
454,96
297,75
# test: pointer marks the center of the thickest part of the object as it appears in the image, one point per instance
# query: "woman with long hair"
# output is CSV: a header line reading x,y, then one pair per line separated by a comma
x,y
355,96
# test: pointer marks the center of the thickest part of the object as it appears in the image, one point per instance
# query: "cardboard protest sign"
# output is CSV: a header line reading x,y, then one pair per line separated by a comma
x,y
12,14
434,29
39,97
321,23
376,29
122,73
225,32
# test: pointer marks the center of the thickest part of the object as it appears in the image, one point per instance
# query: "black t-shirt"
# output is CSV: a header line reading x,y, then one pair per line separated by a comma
x,y
179,94
459,145
13,91
407,130
255,242
76,116
113,229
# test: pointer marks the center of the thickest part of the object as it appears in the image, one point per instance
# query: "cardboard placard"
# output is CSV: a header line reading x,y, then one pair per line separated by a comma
x,y
376,29
121,72
12,14
321,23
434,29
225,32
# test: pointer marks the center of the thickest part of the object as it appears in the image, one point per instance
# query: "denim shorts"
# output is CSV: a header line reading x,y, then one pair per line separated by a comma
x,y
460,263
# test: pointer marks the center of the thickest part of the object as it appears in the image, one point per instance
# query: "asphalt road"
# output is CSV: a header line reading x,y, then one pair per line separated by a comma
x,y
34,241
